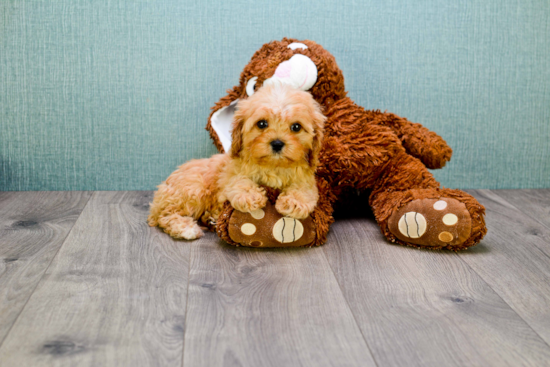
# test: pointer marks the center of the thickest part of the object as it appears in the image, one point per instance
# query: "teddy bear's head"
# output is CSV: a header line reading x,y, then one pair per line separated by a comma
x,y
305,65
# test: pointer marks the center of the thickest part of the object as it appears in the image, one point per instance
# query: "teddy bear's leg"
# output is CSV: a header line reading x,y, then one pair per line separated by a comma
x,y
268,228
413,210
322,215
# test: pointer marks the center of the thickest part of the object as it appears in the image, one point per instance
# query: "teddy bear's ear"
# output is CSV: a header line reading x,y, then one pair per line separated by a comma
x,y
221,119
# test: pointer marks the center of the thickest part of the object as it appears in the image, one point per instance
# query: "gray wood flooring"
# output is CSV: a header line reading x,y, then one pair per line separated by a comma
x,y
85,282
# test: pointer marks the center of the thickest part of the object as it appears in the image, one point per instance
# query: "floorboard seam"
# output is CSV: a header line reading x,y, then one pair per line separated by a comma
x,y
522,212
186,307
503,300
349,307
45,271
545,225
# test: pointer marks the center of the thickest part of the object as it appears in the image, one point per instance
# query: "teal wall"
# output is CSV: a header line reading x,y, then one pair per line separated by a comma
x,y
114,95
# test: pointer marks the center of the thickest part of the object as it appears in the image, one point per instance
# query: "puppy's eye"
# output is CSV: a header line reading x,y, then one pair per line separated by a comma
x,y
262,124
296,127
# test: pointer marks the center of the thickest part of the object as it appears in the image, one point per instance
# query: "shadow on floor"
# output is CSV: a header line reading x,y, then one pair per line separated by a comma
x,y
353,205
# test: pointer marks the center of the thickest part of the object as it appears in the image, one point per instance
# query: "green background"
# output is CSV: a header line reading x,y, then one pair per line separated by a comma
x,y
114,95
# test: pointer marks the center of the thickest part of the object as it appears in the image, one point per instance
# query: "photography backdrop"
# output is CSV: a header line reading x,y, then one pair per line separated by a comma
x,y
114,95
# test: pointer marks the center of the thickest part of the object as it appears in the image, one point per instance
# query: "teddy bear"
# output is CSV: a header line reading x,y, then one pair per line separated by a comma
x,y
372,152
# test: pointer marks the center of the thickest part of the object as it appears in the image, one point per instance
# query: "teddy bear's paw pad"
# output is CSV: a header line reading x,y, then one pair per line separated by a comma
x,y
412,225
432,222
267,228
288,230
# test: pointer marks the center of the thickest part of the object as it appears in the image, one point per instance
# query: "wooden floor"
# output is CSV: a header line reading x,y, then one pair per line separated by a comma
x,y
85,282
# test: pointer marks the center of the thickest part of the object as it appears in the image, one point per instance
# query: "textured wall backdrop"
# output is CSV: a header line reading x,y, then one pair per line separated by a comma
x,y
110,95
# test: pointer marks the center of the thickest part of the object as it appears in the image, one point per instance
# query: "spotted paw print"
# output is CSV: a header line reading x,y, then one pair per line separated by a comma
x,y
267,228
432,222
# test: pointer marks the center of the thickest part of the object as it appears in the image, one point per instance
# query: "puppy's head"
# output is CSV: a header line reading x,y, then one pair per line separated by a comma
x,y
278,126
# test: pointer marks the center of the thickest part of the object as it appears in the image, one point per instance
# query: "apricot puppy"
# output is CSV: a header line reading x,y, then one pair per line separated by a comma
x,y
277,134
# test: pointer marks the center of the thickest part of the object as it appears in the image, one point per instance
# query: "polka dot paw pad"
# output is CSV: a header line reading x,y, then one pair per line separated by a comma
x,y
432,222
267,228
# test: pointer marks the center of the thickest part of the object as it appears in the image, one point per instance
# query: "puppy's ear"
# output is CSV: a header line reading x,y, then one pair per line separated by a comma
x,y
318,131
237,132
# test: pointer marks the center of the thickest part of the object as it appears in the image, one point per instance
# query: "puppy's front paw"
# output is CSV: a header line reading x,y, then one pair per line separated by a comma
x,y
248,201
291,206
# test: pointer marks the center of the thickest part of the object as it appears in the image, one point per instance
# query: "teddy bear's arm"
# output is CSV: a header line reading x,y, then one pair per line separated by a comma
x,y
420,142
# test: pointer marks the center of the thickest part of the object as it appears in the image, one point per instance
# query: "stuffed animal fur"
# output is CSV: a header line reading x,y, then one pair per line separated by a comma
x,y
374,152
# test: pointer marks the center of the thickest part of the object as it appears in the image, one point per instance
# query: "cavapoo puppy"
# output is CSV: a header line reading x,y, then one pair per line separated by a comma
x,y
276,138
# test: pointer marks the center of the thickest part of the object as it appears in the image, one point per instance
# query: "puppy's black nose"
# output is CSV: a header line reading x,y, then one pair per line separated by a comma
x,y
277,145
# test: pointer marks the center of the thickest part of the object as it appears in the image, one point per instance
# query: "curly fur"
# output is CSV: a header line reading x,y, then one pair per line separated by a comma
x,y
362,150
196,192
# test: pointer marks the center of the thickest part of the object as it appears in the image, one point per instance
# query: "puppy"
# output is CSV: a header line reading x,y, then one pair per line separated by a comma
x,y
277,134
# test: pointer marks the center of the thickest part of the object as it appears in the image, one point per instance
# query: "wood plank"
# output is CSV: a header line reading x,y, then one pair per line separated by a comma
x,y
267,307
33,226
514,259
425,308
114,295
534,203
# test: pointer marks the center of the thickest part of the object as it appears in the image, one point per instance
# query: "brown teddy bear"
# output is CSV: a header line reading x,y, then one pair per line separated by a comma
x,y
362,150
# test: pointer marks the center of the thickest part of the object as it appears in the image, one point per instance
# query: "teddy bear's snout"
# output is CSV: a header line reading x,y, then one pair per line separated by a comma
x,y
298,71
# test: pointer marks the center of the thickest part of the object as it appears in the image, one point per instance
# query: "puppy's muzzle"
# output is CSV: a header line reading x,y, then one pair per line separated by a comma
x,y
277,146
